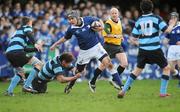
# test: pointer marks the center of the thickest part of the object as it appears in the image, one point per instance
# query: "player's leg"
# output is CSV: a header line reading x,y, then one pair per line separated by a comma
x,y
172,65
108,64
178,63
102,55
97,72
79,69
19,72
131,78
164,81
123,62
37,64
141,62
160,60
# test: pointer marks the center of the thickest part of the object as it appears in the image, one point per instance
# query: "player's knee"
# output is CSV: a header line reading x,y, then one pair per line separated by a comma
x,y
167,68
36,63
20,72
124,65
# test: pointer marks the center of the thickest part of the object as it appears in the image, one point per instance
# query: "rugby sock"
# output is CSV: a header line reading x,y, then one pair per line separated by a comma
x,y
164,84
120,69
97,72
15,80
31,76
117,79
129,82
71,84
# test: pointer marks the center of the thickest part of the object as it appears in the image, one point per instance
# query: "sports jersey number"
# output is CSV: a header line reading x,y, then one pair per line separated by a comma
x,y
147,27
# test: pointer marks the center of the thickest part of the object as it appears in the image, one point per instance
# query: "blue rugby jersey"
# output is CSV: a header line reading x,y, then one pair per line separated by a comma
x,y
51,69
147,29
20,40
86,37
174,36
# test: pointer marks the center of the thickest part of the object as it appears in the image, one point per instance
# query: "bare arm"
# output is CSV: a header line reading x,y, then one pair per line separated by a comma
x,y
61,40
64,79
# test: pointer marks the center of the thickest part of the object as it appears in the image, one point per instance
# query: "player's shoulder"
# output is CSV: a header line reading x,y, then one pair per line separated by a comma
x,y
27,26
90,18
157,16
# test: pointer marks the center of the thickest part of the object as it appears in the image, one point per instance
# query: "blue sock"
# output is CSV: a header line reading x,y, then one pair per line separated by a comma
x,y
117,79
164,84
14,81
129,82
30,78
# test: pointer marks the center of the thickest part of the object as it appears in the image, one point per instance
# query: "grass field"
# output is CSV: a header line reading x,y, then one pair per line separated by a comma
x,y
143,97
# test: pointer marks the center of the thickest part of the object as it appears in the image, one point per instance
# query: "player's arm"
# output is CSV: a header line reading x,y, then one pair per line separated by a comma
x,y
98,26
37,47
67,36
61,78
164,28
61,40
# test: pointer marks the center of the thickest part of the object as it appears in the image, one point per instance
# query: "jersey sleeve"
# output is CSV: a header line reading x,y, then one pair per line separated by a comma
x,y
57,70
162,24
29,33
107,28
28,29
91,19
135,31
68,33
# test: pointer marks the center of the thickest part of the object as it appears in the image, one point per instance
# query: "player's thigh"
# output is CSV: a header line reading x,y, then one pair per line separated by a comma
x,y
159,58
18,59
122,58
84,57
39,85
142,59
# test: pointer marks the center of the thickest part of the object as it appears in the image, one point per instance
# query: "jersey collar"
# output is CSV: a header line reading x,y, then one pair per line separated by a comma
x,y
147,14
79,26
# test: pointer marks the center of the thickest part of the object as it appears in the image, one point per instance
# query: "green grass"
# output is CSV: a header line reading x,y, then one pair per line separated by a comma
x,y
143,97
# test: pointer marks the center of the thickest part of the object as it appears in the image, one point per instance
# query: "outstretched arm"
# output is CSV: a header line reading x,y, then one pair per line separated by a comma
x,y
61,40
64,79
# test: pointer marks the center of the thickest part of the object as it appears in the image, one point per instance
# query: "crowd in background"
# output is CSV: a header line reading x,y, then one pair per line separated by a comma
x,y
50,21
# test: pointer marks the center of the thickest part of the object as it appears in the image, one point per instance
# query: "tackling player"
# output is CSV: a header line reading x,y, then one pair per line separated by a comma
x,y
54,68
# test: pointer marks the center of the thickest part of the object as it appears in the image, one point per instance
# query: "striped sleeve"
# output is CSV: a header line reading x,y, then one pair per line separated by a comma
x,y
57,70
135,31
162,24
28,29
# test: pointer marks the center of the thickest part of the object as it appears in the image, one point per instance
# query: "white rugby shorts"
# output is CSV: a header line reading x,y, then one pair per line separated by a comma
x,y
96,52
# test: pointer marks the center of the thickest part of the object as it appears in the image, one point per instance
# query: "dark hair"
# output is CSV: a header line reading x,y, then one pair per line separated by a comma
x,y
25,20
146,6
67,57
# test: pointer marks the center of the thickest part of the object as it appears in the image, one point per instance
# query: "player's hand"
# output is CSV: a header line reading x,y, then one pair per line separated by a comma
x,y
53,47
39,47
78,75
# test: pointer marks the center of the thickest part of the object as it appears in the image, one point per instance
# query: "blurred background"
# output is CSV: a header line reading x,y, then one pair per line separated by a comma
x,y
50,24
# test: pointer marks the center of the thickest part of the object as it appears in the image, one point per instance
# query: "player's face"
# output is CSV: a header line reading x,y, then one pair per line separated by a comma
x,y
173,18
30,22
65,64
72,20
114,15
